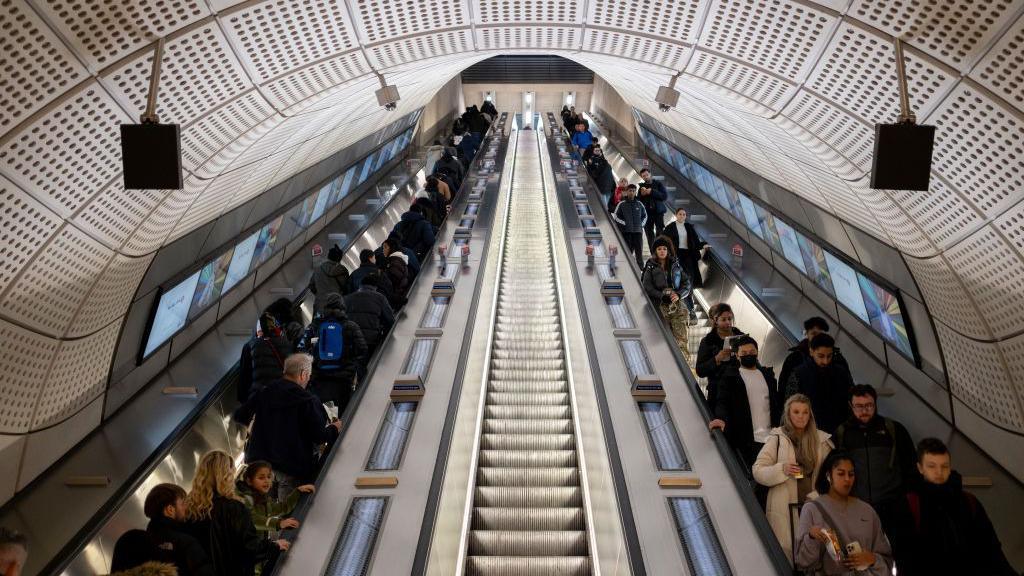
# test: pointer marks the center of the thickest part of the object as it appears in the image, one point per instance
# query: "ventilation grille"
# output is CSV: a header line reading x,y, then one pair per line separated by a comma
x,y
394,431
521,69
703,550
354,547
663,437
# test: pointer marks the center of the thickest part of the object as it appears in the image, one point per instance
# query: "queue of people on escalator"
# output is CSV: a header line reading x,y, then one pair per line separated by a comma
x,y
845,489
294,382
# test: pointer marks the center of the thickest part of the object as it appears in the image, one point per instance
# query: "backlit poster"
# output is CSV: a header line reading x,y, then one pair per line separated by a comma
x,y
750,216
771,235
343,187
211,279
790,245
367,168
171,313
814,263
846,287
265,243
884,314
240,261
321,202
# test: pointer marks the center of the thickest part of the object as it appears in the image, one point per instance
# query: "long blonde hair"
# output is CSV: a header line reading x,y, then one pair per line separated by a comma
x,y
215,476
806,444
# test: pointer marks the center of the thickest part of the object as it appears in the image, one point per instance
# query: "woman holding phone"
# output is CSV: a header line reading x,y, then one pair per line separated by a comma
x,y
715,352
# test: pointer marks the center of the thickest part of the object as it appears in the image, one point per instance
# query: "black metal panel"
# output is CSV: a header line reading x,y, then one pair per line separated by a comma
x,y
522,69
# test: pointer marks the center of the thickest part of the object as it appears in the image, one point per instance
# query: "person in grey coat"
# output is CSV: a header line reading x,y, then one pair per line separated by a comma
x,y
330,277
631,217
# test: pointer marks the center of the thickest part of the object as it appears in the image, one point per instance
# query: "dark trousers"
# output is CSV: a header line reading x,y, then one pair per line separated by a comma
x,y
654,227
635,246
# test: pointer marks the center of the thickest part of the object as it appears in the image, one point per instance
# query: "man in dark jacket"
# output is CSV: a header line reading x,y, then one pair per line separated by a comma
x,y
396,269
802,351
334,381
601,171
290,422
825,383
168,534
883,455
262,358
367,265
749,402
450,165
330,276
653,195
631,217
371,311
412,262
944,530
415,231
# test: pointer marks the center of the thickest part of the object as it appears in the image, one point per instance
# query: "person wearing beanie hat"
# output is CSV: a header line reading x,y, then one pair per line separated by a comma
x,y
667,285
330,276
335,382
369,308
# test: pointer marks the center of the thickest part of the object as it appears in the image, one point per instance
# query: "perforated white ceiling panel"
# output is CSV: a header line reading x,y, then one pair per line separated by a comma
x,y
265,88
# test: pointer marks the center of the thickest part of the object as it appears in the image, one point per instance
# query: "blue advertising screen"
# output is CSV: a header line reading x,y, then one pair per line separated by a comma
x,y
884,314
790,245
265,243
240,261
171,313
343,187
750,216
367,167
321,202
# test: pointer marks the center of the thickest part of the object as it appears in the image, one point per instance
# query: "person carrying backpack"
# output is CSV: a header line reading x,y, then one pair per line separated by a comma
x,y
262,358
339,353
416,232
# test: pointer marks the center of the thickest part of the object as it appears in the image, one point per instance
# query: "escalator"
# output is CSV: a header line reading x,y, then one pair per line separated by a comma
x,y
528,513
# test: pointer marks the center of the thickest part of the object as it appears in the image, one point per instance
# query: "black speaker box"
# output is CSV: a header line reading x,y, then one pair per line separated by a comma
x,y
151,154
903,156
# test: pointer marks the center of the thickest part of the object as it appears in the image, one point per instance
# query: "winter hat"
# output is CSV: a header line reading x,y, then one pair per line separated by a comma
x,y
334,301
662,241
335,254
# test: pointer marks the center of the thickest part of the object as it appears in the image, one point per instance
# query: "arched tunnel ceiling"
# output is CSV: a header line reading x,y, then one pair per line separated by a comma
x,y
264,89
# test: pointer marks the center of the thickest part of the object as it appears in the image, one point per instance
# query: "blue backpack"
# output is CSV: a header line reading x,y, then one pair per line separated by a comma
x,y
330,344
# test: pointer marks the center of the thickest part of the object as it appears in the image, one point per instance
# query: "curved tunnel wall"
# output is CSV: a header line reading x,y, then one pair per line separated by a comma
x,y
266,89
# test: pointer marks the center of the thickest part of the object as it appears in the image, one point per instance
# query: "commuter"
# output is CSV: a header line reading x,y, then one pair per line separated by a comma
x,y
839,533
13,552
221,522
468,146
788,465
415,231
600,171
290,422
339,353
330,276
166,539
439,193
802,351
653,195
370,309
825,383
617,195
631,216
430,213
450,166
262,358
411,261
882,451
396,268
666,285
715,351
268,515
367,265
488,108
581,139
566,116
688,247
288,316
434,152
945,530
748,402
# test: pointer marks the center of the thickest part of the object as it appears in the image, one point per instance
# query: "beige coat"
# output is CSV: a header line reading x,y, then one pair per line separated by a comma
x,y
782,489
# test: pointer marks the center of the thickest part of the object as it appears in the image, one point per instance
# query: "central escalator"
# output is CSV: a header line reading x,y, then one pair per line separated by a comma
x,y
528,514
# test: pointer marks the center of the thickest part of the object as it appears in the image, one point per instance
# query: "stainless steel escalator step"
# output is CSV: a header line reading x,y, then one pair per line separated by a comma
x,y
527,542
529,386
527,374
527,442
527,458
528,496
527,426
520,398
550,338
528,566
528,364
527,411
545,354
528,519
487,476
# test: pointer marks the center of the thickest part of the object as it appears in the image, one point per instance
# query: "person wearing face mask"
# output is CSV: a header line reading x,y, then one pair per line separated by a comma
x,y
942,516
713,355
688,246
788,465
748,402
839,533
824,382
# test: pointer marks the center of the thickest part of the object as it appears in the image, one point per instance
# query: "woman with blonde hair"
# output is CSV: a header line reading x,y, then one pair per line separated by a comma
x,y
222,523
788,465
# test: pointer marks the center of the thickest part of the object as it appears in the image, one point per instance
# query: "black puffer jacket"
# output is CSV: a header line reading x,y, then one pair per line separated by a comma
x,y
231,540
335,385
261,363
416,232
179,547
706,367
884,457
656,280
801,353
397,270
828,389
631,215
290,422
371,311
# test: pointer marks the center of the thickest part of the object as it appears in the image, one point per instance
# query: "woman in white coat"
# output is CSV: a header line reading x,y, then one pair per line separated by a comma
x,y
788,465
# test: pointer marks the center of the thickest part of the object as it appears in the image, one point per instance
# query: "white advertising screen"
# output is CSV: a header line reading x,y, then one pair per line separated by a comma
x,y
171,313
750,216
847,289
790,245
240,261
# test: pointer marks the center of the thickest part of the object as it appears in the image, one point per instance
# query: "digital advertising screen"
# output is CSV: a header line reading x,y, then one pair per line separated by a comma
x,y
265,243
884,314
240,261
345,184
750,216
321,202
733,198
171,313
771,235
790,245
814,263
846,287
367,168
211,280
